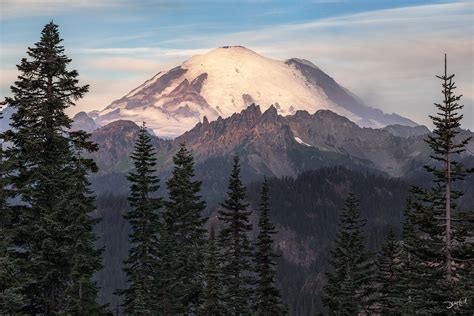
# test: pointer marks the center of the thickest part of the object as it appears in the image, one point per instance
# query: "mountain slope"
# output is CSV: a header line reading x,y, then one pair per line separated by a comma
x,y
267,143
225,81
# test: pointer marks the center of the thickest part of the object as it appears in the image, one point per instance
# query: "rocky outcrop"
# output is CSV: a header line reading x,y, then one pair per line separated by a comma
x,y
82,121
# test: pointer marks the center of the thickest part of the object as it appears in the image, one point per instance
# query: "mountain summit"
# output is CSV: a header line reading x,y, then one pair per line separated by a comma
x,y
225,81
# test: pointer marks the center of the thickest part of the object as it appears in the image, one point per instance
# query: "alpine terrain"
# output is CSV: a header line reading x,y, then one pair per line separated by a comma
x,y
225,81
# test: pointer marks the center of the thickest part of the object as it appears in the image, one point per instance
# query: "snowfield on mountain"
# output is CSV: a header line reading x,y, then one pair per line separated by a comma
x,y
225,81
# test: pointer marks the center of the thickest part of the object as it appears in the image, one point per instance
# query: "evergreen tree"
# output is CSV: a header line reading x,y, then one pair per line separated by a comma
x,y
141,264
11,298
458,250
168,286
85,258
349,285
414,275
443,251
212,294
40,174
388,278
446,149
183,216
267,296
236,248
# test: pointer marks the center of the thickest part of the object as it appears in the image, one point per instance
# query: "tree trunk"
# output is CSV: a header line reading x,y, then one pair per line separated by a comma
x,y
448,190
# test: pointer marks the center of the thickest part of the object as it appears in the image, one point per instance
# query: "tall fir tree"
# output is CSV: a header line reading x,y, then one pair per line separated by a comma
x,y
446,149
184,218
11,298
236,248
168,286
79,202
388,278
414,275
144,218
267,296
39,172
444,230
349,288
212,295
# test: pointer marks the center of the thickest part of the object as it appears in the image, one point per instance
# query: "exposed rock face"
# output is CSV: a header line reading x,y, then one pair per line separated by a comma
x,y
82,121
407,131
225,81
271,144
380,149
116,141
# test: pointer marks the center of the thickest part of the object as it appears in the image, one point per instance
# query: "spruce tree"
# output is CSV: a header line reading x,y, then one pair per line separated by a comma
x,y
236,248
39,172
79,202
168,286
11,298
443,251
388,279
267,296
144,218
414,276
183,216
446,148
212,294
349,285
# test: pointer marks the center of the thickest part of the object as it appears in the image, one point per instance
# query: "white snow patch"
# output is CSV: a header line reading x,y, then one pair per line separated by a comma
x,y
298,140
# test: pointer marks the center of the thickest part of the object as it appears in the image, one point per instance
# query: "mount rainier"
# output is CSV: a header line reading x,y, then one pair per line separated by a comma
x,y
225,81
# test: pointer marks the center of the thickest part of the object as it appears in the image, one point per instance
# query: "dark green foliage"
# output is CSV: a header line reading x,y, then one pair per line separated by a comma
x,y
170,267
388,277
310,205
186,233
212,294
141,264
349,290
42,172
11,298
267,296
441,229
414,275
236,248
79,203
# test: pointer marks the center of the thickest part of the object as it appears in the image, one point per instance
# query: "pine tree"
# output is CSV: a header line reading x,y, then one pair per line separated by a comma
x,y
85,259
212,294
267,296
39,172
388,278
349,285
414,275
444,250
141,264
236,248
446,149
11,298
168,286
184,218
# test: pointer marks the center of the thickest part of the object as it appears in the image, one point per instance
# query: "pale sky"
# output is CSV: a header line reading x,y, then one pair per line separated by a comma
x,y
386,52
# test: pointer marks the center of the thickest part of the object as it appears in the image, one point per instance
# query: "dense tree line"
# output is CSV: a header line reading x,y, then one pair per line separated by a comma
x,y
430,270
174,267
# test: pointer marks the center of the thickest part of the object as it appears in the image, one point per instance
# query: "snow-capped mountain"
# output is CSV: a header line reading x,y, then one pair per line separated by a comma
x,y
225,81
